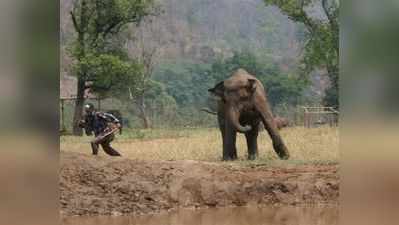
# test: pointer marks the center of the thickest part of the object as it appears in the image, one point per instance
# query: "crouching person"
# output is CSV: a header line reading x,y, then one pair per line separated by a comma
x,y
104,126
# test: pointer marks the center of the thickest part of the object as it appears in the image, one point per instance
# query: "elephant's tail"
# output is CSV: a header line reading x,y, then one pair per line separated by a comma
x,y
209,111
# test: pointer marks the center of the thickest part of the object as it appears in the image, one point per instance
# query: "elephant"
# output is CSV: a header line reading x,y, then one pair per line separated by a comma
x,y
241,105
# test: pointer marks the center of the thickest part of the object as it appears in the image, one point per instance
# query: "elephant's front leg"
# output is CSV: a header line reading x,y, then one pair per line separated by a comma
x,y
229,143
252,143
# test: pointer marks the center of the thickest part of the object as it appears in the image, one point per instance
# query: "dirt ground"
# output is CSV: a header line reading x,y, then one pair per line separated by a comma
x,y
113,186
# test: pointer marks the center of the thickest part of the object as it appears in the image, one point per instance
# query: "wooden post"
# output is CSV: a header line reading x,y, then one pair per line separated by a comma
x,y
62,116
99,104
297,113
305,118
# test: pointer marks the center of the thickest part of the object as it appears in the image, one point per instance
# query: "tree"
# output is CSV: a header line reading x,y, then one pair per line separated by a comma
x,y
322,37
95,23
145,47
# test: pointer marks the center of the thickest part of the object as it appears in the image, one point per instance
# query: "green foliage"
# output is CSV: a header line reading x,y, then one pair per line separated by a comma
x,y
285,90
162,105
96,21
186,82
109,74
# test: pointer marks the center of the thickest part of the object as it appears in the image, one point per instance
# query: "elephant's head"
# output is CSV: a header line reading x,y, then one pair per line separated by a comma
x,y
236,95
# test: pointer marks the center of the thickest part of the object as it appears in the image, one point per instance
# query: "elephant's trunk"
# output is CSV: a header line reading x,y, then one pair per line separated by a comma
x,y
270,126
233,117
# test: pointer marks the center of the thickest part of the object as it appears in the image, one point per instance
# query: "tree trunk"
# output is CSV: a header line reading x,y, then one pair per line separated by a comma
x,y
80,28
77,116
143,114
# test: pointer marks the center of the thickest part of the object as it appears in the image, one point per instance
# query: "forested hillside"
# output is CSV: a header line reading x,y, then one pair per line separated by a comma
x,y
200,28
189,45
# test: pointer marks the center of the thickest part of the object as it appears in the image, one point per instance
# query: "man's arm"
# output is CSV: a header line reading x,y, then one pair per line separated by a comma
x,y
84,125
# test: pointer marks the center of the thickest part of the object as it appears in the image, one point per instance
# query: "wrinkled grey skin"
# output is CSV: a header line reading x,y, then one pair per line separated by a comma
x,y
242,105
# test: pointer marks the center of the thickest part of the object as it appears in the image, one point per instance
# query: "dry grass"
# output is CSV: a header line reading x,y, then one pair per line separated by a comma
x,y
314,145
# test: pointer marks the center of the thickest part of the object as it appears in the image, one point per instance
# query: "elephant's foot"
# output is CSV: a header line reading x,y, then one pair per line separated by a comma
x,y
252,156
229,158
285,157
234,157
281,151
230,155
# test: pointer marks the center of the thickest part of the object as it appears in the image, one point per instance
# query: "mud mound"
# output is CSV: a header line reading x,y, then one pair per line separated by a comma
x,y
102,185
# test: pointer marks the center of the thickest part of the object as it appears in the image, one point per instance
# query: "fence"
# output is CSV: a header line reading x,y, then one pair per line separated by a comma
x,y
317,116
161,114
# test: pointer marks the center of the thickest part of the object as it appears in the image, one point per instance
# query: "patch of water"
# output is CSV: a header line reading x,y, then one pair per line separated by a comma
x,y
315,215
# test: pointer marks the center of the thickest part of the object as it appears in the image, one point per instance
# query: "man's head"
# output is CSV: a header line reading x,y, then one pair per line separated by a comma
x,y
89,108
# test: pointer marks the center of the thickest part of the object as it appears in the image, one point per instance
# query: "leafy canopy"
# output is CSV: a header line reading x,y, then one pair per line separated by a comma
x,y
101,58
322,37
97,20
109,74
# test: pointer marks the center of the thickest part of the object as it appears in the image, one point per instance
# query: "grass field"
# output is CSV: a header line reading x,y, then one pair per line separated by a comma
x,y
306,145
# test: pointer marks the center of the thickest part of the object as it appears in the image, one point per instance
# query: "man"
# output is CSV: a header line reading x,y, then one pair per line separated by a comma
x,y
104,126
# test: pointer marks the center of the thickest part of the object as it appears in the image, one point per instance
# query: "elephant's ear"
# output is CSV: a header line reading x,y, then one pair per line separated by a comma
x,y
218,90
251,85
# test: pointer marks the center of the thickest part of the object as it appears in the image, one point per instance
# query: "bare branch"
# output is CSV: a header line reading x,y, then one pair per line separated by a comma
x,y
326,10
75,23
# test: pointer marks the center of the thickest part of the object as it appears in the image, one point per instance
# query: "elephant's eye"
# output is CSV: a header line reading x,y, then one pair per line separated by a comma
x,y
230,93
